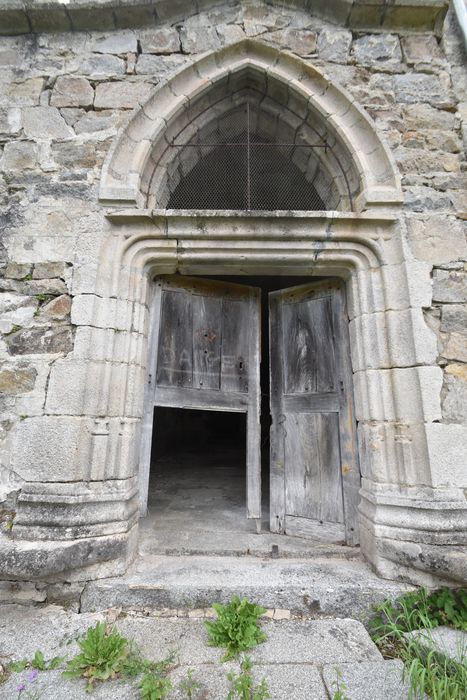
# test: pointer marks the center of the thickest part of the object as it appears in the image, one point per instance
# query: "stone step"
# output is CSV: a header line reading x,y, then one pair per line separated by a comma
x,y
317,587
300,659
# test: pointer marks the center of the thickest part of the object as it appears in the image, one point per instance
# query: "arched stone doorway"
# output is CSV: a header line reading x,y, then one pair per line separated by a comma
x,y
393,352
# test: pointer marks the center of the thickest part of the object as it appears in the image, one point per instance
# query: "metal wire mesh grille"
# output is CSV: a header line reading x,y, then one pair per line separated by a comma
x,y
231,165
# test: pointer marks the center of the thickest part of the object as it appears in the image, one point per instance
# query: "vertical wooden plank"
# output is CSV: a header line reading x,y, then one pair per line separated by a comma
x,y
313,483
235,345
148,406
207,338
347,428
300,370
175,351
254,408
277,435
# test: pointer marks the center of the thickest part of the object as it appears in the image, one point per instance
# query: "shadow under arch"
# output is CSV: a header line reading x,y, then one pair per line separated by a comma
x,y
357,161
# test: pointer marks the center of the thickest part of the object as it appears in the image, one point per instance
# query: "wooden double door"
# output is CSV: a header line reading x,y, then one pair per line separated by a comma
x,y
207,354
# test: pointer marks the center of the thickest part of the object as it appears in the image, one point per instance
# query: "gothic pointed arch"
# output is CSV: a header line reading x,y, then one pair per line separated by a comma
x,y
338,151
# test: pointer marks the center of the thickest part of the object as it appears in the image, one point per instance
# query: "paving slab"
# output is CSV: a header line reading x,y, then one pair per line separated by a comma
x,y
368,681
290,659
448,642
321,586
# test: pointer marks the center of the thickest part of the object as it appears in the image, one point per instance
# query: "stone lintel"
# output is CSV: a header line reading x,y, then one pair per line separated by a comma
x,y
194,219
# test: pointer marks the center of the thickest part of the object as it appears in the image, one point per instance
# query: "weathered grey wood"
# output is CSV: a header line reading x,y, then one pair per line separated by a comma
x,y
174,397
175,351
313,487
148,405
235,345
318,402
314,468
277,431
254,408
350,468
207,339
314,529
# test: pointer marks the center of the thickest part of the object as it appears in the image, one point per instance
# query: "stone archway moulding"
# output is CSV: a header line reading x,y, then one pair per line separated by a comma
x,y
125,168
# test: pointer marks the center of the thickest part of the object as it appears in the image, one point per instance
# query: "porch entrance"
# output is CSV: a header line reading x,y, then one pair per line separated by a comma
x,y
250,384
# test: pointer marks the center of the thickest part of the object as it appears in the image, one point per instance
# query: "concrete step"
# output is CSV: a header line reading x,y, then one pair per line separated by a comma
x,y
300,660
315,587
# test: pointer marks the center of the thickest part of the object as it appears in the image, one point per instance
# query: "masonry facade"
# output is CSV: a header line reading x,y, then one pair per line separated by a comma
x,y
87,118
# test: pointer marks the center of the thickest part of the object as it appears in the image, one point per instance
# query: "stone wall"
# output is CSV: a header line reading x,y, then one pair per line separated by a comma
x,y
63,96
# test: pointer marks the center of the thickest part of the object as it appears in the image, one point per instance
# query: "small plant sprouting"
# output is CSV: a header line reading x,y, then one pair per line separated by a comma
x,y
37,663
189,685
339,687
236,628
242,685
103,655
154,686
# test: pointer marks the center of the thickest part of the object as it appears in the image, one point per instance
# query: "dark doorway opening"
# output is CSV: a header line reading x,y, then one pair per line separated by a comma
x,y
198,470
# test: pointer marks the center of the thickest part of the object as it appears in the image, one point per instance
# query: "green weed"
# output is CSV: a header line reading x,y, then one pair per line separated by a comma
x,y
236,628
103,655
189,685
242,685
154,687
426,670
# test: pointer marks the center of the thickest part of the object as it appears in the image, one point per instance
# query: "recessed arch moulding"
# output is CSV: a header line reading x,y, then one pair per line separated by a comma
x,y
412,522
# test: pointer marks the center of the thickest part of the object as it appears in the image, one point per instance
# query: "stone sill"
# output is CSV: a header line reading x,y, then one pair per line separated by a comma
x,y
35,16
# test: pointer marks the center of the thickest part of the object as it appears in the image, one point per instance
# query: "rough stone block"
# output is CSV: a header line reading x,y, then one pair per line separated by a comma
x,y
420,49
421,87
21,592
374,49
25,93
48,270
367,681
160,66
102,66
117,43
19,156
163,40
10,121
121,95
93,122
449,286
51,448
230,33
447,447
56,310
17,380
437,239
71,91
39,340
300,41
334,45
196,40
454,346
45,122
454,318
454,402
423,116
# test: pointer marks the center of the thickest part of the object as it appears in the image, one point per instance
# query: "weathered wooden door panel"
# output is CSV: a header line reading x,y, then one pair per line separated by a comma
x,y
314,468
206,355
